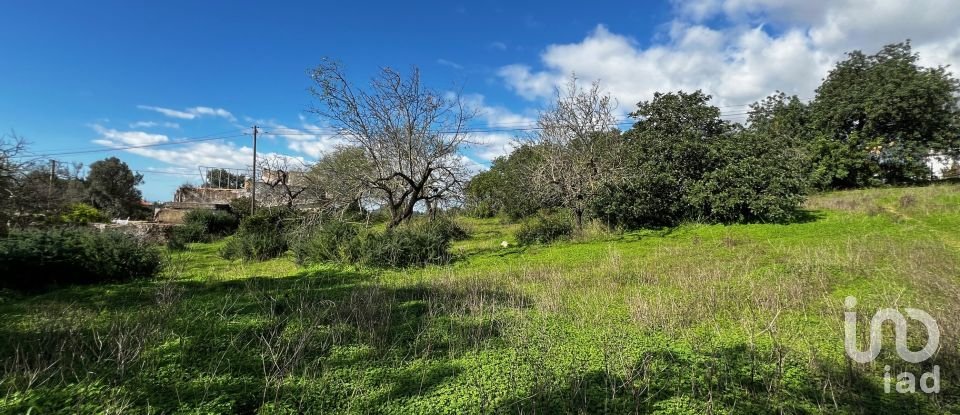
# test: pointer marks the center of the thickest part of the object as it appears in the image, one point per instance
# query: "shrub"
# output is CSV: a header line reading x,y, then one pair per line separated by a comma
x,y
332,241
407,245
36,259
181,235
213,222
260,236
202,225
447,227
414,244
82,214
240,207
544,228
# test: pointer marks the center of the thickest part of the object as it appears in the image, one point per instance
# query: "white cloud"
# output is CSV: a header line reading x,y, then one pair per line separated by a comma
x,y
758,47
502,126
152,124
451,64
182,156
497,46
190,113
311,139
737,66
115,138
217,112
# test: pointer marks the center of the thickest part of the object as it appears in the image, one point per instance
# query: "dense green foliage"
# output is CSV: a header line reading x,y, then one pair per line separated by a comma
x,y
240,207
214,222
506,188
260,236
329,241
419,243
413,244
874,121
82,214
878,116
686,164
112,188
202,225
38,259
544,228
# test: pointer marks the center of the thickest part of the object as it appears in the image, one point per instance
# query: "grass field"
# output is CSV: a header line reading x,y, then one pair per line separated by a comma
x,y
693,319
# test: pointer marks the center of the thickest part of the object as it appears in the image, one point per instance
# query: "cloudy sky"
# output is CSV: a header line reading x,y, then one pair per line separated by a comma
x,y
80,79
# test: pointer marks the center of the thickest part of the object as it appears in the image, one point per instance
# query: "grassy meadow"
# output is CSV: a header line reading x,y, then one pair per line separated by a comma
x,y
693,319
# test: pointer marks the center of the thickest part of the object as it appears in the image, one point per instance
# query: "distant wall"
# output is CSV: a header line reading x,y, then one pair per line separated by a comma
x,y
165,215
208,195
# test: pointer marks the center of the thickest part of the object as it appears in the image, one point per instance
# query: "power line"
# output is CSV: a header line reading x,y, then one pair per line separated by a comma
x,y
491,129
165,172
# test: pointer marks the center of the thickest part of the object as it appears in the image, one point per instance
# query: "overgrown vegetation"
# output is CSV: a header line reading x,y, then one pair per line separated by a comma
x,y
419,243
544,228
260,236
39,259
681,161
82,214
202,225
571,327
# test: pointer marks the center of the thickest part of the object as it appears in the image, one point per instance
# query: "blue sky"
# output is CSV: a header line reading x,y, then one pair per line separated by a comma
x,y
90,75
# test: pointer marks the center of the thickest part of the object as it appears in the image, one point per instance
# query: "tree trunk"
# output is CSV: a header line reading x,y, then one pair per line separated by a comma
x,y
578,214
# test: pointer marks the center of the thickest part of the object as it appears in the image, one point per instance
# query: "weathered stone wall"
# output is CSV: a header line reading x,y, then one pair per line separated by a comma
x,y
147,231
208,195
167,215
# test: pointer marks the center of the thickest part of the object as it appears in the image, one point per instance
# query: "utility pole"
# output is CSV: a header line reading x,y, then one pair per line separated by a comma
x,y
253,181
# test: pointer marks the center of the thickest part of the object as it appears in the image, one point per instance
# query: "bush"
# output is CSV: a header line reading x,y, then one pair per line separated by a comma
x,y
413,244
202,225
544,228
407,245
332,241
82,214
36,259
181,235
447,227
240,207
260,236
213,222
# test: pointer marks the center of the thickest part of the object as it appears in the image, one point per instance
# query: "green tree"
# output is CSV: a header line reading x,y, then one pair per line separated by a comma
x,y
877,117
667,151
686,163
113,189
508,187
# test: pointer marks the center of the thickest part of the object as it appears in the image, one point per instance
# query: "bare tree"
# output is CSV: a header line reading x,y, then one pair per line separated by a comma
x,y
12,148
284,177
12,168
578,145
410,134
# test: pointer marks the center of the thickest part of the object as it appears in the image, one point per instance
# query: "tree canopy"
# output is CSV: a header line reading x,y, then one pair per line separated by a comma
x,y
112,188
877,117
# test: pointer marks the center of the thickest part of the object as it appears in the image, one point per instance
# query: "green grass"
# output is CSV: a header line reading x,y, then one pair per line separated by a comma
x,y
694,319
